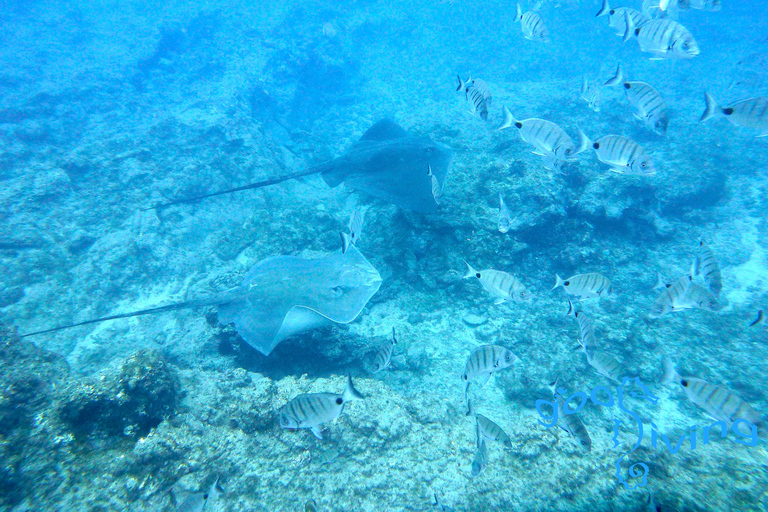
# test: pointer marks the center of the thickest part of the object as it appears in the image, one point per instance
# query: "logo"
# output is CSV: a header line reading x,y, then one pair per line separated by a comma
x,y
638,469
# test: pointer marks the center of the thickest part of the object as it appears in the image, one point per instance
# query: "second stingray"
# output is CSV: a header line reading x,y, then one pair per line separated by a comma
x,y
386,162
284,295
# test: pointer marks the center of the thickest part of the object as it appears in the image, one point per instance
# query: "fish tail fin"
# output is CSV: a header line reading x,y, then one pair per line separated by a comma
x,y
760,318
695,266
470,271
470,409
558,282
605,9
346,241
584,142
660,282
629,31
670,374
618,77
553,385
519,13
509,120
712,107
461,84
571,310
350,393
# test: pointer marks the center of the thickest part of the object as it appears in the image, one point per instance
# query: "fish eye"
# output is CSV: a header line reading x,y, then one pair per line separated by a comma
x,y
644,165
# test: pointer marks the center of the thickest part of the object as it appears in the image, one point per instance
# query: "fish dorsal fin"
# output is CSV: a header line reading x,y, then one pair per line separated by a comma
x,y
386,129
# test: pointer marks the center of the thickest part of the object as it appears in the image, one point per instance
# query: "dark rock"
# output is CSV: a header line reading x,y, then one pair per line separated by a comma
x,y
133,400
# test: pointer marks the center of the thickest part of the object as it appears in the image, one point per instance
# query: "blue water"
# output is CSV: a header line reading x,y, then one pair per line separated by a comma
x,y
108,109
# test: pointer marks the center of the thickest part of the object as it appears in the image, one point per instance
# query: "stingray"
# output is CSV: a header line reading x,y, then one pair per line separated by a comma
x,y
386,163
284,295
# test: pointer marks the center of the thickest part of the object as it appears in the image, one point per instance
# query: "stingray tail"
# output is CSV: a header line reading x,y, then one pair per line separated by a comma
x,y
211,301
258,184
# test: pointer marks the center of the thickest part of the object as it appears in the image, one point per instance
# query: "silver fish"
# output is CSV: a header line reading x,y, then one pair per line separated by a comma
x,y
683,294
605,364
436,188
698,297
310,410
585,326
483,89
651,108
662,38
570,422
623,155
501,285
585,286
355,230
617,17
547,137
590,92
490,431
751,113
478,95
505,221
533,26
480,462
483,361
383,356
196,502
720,403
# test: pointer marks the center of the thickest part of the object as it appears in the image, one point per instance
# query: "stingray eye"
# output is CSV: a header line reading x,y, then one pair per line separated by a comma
x,y
430,151
337,291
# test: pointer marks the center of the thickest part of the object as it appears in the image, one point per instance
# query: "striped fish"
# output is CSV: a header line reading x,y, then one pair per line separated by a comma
x,y
605,364
383,356
720,403
617,17
355,229
585,326
478,94
751,113
480,462
585,286
624,155
533,26
683,294
547,137
310,410
662,38
437,190
590,92
698,297
505,221
490,431
570,422
501,285
483,361
651,108
672,298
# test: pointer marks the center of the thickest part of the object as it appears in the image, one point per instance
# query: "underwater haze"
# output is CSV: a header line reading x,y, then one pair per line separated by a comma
x,y
376,255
